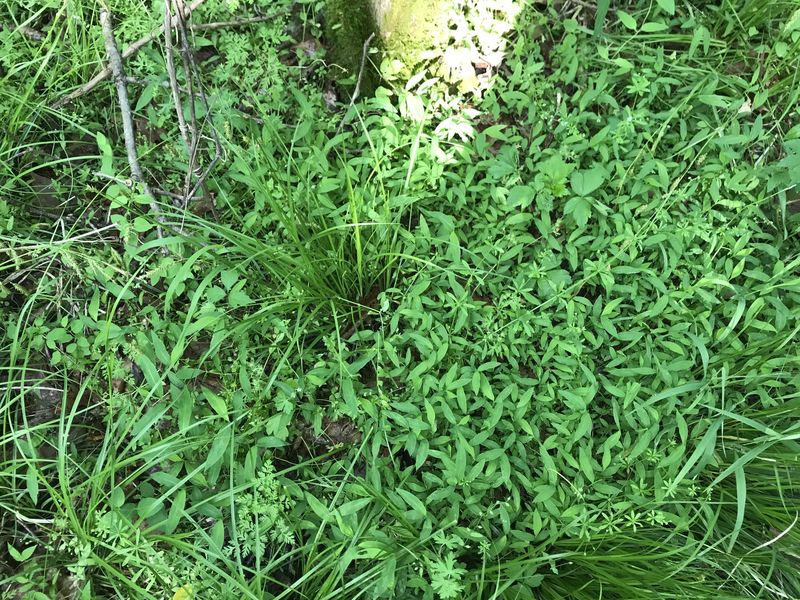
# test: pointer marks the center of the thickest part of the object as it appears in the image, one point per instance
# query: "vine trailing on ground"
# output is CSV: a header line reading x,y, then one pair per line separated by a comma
x,y
534,341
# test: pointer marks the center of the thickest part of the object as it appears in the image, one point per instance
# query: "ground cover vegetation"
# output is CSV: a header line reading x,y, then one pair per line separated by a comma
x,y
533,338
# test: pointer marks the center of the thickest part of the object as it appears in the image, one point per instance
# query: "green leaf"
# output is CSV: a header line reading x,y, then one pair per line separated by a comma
x,y
654,26
714,100
32,483
627,20
219,446
793,22
148,507
352,507
737,315
117,498
520,196
228,278
601,10
349,395
141,225
318,507
106,155
217,403
415,503
667,5
587,181
175,512
386,582
580,209
585,461
20,556
237,297
146,96
741,499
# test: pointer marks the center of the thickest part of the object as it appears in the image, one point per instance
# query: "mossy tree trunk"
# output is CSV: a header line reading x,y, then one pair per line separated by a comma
x,y
406,30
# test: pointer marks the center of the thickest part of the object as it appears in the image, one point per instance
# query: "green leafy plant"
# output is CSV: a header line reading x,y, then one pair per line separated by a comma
x,y
537,342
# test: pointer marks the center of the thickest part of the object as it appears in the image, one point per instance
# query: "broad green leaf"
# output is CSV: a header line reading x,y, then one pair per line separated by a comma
x,y
601,10
627,20
653,26
587,181
667,5
580,209
20,556
415,503
216,402
353,506
106,155
219,446
322,511
32,483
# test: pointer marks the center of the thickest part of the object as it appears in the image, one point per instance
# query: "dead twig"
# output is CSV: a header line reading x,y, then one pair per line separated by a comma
x,y
105,73
231,24
115,63
192,69
357,90
163,84
173,76
193,139
28,32
190,132
127,53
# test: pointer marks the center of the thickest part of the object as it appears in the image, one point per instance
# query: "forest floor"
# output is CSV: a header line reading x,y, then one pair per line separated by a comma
x,y
525,331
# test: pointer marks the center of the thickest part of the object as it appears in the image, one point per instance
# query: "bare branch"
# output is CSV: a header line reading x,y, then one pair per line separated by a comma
x,y
163,84
357,90
193,72
127,53
29,32
173,76
115,63
105,73
231,24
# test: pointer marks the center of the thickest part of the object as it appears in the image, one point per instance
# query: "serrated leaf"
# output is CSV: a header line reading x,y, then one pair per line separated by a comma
x,y
228,278
520,196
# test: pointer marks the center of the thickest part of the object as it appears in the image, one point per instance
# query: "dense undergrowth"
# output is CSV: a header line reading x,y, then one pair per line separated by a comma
x,y
539,342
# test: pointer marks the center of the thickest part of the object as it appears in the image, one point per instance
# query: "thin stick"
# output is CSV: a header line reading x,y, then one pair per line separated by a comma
x,y
30,33
163,84
357,90
127,53
173,76
192,69
115,63
194,138
230,24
